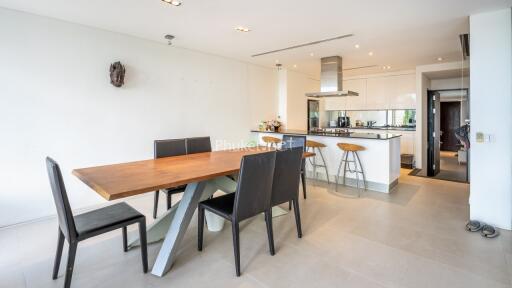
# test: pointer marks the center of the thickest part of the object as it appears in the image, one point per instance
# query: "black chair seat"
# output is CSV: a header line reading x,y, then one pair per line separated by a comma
x,y
222,205
105,219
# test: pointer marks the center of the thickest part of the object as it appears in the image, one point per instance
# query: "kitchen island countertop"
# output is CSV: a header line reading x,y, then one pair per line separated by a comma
x,y
374,136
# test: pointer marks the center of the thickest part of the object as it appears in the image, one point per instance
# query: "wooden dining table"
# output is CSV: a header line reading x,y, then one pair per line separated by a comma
x,y
204,174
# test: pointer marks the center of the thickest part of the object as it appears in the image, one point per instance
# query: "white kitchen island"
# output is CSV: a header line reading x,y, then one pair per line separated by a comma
x,y
380,160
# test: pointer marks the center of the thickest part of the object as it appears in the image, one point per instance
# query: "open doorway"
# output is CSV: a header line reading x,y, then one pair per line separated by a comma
x,y
444,147
447,149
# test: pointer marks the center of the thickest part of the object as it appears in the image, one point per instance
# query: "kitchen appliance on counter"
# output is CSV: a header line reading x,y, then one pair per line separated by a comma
x,y
343,122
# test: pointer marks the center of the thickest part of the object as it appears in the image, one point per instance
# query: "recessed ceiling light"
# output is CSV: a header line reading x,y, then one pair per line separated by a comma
x,y
173,2
357,46
440,59
294,65
277,61
242,29
388,67
370,53
311,54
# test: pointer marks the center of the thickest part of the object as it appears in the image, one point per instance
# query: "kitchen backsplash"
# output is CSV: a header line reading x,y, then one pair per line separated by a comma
x,y
377,117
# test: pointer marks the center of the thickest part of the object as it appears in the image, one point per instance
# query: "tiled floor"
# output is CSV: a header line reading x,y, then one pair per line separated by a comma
x,y
413,237
450,167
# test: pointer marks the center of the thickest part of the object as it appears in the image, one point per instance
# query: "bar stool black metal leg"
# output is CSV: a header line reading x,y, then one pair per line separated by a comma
x,y
270,232
236,245
143,244
125,239
58,255
71,263
296,210
155,205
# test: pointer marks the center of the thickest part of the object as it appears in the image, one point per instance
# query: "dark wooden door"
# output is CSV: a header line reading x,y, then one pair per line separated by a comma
x,y
433,132
450,121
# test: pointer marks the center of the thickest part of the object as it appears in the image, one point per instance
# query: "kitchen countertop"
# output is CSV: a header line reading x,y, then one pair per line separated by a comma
x,y
385,128
375,136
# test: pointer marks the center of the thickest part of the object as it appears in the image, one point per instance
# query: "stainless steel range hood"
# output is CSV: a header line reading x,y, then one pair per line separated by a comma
x,y
331,79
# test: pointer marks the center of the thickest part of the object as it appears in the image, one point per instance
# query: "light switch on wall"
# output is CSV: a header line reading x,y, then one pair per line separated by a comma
x,y
480,137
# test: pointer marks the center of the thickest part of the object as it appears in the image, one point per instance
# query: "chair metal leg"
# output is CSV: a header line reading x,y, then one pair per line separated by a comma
x,y
169,200
339,170
200,228
236,245
357,175
362,171
143,244
270,232
125,239
345,168
325,165
155,205
58,255
296,210
71,263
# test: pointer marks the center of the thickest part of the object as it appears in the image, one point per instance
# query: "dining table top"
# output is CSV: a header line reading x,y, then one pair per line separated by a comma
x,y
132,178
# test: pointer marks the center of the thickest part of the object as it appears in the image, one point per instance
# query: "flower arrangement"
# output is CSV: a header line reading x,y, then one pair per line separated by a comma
x,y
270,125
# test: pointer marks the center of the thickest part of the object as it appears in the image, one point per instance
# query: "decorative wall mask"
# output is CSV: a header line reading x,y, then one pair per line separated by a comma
x,y
117,72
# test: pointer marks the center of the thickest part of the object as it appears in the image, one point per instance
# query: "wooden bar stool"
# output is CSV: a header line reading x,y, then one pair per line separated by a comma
x,y
271,141
351,149
316,148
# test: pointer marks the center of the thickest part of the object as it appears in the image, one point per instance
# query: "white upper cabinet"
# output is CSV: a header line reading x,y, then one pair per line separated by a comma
x,y
359,86
404,94
378,92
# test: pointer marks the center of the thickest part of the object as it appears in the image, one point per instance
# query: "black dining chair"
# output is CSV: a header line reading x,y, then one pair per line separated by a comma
x,y
168,148
285,186
291,141
252,197
83,226
198,145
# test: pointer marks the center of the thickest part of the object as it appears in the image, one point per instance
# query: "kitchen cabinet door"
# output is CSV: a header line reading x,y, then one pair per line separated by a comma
x,y
404,92
335,103
378,91
356,102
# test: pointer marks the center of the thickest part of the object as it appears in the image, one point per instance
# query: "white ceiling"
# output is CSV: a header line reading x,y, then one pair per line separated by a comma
x,y
401,33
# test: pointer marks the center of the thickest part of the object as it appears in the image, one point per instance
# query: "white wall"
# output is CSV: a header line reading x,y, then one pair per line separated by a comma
x,y
491,104
56,99
292,99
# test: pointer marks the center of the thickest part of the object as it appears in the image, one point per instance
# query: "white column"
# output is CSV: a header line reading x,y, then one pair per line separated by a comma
x,y
491,114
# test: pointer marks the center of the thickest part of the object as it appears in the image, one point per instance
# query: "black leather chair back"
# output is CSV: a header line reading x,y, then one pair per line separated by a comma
x,y
198,145
292,141
254,188
170,147
66,221
286,181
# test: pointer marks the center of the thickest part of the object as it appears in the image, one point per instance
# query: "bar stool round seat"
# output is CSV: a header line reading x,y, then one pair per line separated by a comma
x,y
316,148
271,141
351,150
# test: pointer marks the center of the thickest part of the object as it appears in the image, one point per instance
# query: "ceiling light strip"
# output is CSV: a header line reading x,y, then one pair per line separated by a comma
x,y
303,45
360,67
